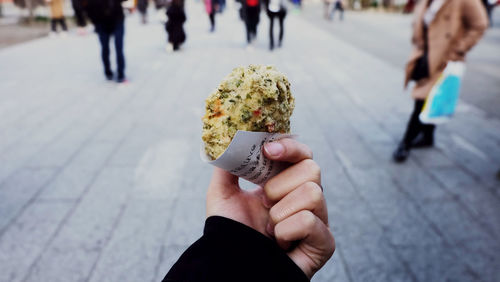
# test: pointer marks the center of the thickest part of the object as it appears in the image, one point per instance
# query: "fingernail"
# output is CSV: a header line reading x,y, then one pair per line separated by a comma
x,y
274,149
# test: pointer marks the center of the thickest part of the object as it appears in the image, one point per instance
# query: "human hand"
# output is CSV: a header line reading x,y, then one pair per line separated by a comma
x,y
290,208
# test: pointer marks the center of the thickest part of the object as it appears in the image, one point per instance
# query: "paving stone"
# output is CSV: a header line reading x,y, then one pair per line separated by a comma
x,y
455,223
334,270
73,252
435,262
69,184
24,241
18,190
134,250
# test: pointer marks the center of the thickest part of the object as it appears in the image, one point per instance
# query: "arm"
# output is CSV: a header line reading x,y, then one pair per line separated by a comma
x,y
475,21
278,232
232,251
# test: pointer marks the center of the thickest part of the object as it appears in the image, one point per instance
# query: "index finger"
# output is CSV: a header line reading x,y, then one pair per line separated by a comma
x,y
287,150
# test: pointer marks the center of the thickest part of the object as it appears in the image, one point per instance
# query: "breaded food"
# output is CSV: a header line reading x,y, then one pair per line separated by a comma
x,y
253,98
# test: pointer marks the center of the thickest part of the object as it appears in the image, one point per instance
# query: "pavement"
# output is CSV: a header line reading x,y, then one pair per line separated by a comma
x,y
103,182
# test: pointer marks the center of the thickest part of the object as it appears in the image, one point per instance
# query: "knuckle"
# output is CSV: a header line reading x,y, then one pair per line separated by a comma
x,y
307,219
274,214
312,167
314,192
271,191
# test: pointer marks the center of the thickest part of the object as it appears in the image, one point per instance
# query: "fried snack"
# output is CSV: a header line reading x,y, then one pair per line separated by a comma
x,y
255,98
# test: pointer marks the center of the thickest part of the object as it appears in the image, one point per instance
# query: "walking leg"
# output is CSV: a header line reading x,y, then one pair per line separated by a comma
x,y
282,29
414,127
53,23
104,40
120,58
271,27
212,20
63,24
249,35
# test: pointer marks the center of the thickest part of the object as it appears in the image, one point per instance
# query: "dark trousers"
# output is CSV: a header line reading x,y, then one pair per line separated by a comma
x,y
80,17
338,6
79,8
251,21
415,127
104,37
281,17
211,16
61,21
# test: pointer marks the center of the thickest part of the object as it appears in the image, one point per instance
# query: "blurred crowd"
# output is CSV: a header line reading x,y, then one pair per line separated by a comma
x,y
107,18
443,32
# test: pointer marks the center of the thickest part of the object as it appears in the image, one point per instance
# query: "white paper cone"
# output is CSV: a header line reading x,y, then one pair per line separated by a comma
x,y
244,157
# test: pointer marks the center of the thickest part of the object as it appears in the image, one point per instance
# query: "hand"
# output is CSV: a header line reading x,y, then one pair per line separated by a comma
x,y
290,208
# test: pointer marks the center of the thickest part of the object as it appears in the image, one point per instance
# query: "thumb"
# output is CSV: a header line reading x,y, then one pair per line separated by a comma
x,y
223,184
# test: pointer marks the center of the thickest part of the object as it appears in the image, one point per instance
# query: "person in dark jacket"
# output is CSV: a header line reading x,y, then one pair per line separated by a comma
x,y
174,25
278,232
108,19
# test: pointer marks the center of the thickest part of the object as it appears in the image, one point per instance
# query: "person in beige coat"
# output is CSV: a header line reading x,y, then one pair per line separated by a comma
x,y
443,31
57,15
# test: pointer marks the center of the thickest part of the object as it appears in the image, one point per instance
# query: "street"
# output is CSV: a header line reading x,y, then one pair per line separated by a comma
x,y
104,182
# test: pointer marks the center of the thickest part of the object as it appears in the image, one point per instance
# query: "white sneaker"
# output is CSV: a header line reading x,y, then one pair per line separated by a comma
x,y
64,34
81,31
52,34
169,48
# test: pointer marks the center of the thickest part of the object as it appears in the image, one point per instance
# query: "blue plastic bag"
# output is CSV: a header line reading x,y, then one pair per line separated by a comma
x,y
442,101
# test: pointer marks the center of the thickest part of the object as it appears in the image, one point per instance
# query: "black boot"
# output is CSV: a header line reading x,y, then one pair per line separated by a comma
x,y
109,74
423,141
401,153
426,138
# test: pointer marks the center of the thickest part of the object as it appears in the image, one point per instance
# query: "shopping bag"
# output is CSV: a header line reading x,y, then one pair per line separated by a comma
x,y
440,105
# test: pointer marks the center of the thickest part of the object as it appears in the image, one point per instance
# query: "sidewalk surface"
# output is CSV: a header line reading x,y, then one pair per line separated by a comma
x,y
103,182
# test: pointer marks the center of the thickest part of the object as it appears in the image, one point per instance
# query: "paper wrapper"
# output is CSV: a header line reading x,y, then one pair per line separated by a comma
x,y
244,157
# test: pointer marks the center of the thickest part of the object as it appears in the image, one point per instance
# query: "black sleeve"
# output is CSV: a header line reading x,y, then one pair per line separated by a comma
x,y
231,251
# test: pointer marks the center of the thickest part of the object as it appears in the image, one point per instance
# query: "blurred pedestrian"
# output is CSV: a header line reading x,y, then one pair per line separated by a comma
x,y
108,19
327,10
338,5
174,25
80,17
212,7
276,9
489,5
142,6
252,17
443,31
410,5
57,16
222,6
